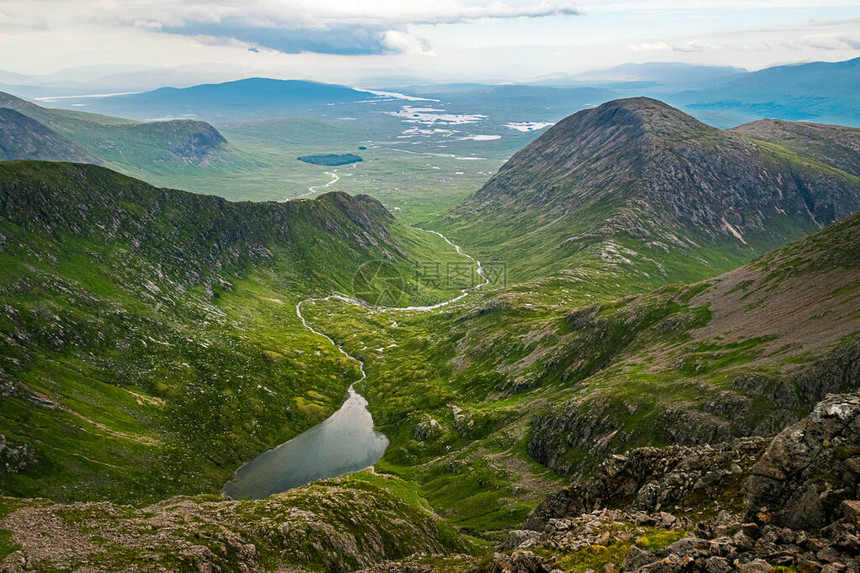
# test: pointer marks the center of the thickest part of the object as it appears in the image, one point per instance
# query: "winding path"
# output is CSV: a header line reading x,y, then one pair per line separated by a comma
x,y
313,189
354,301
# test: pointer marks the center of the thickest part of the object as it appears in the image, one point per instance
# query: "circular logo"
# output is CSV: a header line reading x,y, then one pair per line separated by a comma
x,y
378,283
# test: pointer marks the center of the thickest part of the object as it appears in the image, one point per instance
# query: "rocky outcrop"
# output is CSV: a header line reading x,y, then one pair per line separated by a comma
x,y
748,505
652,479
594,425
335,525
15,458
185,141
809,469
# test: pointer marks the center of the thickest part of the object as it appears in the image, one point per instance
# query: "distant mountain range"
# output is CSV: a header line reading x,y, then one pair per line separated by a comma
x,y
642,186
718,95
662,76
819,91
243,99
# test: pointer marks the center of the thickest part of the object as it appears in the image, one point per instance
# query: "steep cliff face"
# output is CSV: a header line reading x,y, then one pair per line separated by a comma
x,y
645,175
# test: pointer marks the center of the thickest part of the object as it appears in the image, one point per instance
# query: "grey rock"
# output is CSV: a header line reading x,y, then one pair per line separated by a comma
x,y
788,483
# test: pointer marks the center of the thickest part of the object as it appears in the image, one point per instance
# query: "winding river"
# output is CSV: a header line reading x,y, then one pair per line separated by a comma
x,y
345,442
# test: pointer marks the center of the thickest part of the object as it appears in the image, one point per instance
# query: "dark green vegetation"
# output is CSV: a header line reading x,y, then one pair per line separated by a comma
x,y
149,337
471,396
640,192
331,159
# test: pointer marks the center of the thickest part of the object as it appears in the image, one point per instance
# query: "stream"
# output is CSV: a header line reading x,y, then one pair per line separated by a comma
x,y
344,442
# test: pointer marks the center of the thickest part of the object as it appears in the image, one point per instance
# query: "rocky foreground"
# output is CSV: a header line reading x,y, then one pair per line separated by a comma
x,y
751,505
791,503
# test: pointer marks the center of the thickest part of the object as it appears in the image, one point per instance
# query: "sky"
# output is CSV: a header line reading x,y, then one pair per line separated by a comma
x,y
374,42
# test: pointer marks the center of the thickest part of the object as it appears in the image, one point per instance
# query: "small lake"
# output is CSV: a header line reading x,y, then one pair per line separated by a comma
x,y
345,442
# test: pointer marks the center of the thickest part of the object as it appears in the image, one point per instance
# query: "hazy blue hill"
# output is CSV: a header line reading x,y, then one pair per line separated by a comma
x,y
242,99
22,137
820,91
661,75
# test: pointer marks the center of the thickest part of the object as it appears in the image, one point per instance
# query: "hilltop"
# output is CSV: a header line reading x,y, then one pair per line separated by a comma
x,y
251,98
650,192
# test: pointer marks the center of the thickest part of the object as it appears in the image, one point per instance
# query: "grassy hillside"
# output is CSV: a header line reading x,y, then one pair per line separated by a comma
x,y
149,338
473,395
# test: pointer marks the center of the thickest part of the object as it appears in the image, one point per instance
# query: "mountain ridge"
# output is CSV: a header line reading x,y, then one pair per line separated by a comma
x,y
641,171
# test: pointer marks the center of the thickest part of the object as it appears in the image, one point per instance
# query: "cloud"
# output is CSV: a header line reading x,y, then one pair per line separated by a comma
x,y
690,47
400,42
334,39
650,47
355,27
22,21
825,42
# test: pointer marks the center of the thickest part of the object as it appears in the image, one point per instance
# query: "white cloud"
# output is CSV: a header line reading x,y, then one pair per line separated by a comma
x,y
325,26
401,42
651,47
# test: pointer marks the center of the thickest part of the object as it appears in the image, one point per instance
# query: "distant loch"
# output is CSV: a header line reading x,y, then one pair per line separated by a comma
x,y
331,159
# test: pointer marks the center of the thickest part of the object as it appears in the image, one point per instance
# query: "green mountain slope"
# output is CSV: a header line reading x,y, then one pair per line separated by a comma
x,y
125,143
22,137
641,192
149,342
471,397
831,144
